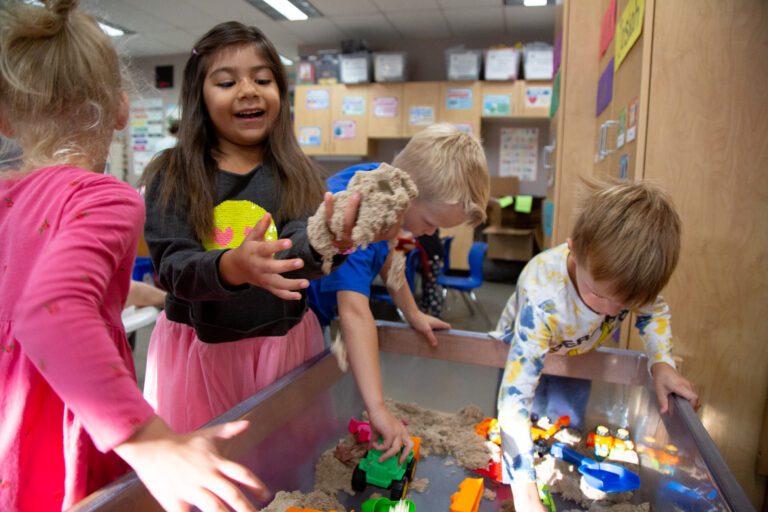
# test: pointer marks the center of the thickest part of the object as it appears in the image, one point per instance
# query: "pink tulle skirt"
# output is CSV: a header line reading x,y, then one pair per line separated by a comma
x,y
189,382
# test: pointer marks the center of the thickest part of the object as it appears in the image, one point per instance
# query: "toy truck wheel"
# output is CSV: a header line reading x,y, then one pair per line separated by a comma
x,y
397,490
358,480
410,470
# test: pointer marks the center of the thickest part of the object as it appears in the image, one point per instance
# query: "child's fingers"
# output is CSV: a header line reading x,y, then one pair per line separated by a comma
x,y
328,202
283,294
407,447
430,336
687,392
243,475
226,491
393,449
208,502
259,230
228,430
663,397
269,248
273,266
279,282
350,214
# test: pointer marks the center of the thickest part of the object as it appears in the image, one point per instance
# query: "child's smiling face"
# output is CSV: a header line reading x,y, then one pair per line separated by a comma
x,y
599,296
241,96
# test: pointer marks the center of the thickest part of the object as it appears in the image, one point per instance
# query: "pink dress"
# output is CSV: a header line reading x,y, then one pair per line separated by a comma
x,y
190,382
68,393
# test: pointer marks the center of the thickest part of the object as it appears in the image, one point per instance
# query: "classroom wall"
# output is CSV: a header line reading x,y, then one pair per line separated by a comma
x,y
426,62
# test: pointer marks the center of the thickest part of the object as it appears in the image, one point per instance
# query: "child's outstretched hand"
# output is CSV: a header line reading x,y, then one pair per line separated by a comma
x,y
666,380
426,324
392,432
187,470
254,263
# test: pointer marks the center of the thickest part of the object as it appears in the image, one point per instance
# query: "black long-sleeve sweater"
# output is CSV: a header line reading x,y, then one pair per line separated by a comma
x,y
188,268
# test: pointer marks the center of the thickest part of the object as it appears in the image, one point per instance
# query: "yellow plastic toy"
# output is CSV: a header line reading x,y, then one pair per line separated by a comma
x,y
468,497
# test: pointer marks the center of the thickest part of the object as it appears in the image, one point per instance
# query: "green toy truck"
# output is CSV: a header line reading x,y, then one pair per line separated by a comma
x,y
389,474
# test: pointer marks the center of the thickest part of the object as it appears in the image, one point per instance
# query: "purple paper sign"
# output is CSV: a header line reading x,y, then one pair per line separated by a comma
x,y
605,88
558,51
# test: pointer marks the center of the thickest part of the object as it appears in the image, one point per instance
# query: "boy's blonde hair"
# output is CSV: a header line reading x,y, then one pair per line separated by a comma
x,y
60,80
448,166
628,233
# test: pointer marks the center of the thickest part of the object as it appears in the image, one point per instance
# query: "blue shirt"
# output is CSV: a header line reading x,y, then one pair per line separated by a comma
x,y
360,269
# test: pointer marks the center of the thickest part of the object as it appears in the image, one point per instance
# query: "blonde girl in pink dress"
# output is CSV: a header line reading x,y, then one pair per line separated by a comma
x,y
71,414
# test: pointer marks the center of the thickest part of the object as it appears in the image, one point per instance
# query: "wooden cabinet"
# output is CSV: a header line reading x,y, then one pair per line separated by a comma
x,y
385,112
332,119
421,102
460,105
343,119
696,74
501,99
312,118
349,120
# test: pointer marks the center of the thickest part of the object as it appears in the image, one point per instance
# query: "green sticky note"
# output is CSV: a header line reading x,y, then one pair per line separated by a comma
x,y
523,204
506,201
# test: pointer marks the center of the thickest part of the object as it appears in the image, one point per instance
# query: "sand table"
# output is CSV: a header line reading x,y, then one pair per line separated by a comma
x,y
451,434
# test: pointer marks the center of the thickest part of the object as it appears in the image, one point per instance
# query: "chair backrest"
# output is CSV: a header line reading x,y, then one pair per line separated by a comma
x,y
447,253
476,258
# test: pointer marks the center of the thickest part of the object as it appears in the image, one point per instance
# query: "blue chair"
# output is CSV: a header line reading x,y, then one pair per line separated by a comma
x,y
380,293
447,252
466,285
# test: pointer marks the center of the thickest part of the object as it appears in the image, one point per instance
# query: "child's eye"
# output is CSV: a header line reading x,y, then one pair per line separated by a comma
x,y
263,81
226,85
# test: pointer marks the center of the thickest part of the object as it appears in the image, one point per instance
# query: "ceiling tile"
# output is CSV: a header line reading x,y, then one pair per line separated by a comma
x,y
125,15
226,10
315,30
476,21
387,6
371,27
176,38
420,24
170,12
345,7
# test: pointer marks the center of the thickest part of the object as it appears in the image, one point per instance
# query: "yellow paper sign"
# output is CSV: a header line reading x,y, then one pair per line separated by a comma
x,y
628,30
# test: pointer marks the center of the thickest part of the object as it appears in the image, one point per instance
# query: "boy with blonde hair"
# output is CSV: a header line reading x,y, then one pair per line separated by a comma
x,y
450,171
571,298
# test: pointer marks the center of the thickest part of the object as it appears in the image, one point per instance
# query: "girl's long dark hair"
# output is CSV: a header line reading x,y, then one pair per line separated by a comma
x,y
186,174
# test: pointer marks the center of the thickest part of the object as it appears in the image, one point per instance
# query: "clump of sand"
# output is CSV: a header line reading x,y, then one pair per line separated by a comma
x,y
385,193
316,499
419,484
444,433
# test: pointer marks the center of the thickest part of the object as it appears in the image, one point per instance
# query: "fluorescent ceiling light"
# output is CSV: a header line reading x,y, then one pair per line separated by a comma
x,y
281,10
110,30
287,9
534,3
286,61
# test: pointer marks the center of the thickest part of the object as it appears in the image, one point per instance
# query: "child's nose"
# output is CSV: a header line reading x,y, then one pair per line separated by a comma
x,y
247,89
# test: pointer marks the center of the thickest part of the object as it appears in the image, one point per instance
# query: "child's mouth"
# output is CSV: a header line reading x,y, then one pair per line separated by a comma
x,y
250,114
